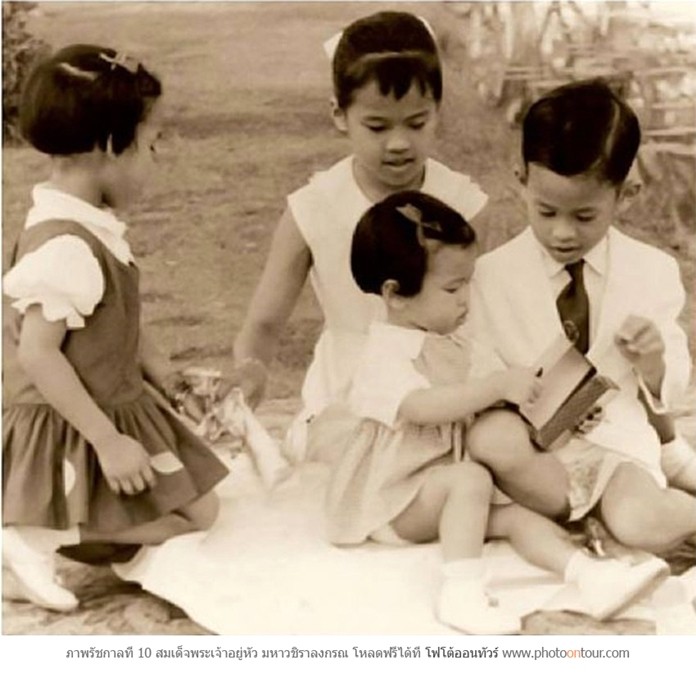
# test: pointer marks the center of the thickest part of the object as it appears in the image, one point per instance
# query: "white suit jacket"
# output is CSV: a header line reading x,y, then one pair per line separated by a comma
x,y
513,318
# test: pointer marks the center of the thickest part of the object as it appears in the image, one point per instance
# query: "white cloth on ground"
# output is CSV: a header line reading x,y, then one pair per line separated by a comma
x,y
266,568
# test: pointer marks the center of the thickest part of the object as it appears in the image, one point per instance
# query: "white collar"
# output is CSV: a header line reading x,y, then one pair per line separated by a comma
x,y
596,258
51,204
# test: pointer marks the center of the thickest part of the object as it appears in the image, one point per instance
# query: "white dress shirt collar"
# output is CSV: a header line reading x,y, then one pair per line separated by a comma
x,y
595,258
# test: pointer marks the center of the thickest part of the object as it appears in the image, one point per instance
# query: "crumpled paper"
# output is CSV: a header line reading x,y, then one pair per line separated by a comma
x,y
229,421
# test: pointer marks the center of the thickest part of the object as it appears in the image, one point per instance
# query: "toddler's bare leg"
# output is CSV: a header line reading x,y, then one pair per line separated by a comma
x,y
641,514
499,440
453,506
536,538
606,586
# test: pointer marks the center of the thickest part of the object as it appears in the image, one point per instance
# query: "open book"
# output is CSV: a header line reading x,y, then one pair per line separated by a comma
x,y
572,387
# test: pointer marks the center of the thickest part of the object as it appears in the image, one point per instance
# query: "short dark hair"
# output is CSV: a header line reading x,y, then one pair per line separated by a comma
x,y
395,49
84,96
389,242
582,127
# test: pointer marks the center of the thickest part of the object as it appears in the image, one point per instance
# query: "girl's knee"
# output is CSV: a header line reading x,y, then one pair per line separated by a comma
x,y
498,439
203,513
472,478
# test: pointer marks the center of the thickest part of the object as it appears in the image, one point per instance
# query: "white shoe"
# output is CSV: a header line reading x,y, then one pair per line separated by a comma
x,y
12,588
464,605
610,586
34,574
688,581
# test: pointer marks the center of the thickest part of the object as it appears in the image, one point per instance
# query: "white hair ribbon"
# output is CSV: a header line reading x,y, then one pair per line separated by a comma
x,y
332,43
428,27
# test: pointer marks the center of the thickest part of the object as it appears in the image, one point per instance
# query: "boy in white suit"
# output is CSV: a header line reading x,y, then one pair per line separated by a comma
x,y
618,299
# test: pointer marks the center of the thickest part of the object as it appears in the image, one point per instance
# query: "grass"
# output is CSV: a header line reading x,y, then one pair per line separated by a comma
x,y
247,88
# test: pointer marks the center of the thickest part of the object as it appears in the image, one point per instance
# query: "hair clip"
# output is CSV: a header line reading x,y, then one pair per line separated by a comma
x,y
121,60
410,212
74,71
331,44
413,214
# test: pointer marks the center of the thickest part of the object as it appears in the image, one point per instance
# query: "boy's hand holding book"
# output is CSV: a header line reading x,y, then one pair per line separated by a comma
x,y
641,343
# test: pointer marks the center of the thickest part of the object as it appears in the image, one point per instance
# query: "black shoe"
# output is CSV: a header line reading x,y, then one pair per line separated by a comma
x,y
100,553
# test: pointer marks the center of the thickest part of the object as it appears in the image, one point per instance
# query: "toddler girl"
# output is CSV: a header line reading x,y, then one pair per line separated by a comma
x,y
387,85
89,455
397,475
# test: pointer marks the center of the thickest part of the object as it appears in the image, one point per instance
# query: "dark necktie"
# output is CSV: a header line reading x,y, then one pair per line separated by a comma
x,y
574,308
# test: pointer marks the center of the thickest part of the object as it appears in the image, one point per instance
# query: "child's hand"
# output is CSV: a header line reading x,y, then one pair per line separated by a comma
x,y
521,385
125,464
251,376
640,342
591,421
172,386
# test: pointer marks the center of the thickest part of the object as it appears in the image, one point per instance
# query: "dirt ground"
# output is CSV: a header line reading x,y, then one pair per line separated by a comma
x,y
247,90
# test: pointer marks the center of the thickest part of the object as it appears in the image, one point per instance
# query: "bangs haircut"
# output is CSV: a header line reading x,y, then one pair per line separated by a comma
x,y
78,100
394,73
395,49
391,245
582,127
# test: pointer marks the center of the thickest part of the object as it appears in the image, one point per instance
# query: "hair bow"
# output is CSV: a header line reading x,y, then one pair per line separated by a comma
x,y
121,60
332,43
413,214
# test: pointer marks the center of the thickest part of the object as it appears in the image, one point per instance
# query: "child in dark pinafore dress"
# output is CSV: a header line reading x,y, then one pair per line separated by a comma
x,y
89,455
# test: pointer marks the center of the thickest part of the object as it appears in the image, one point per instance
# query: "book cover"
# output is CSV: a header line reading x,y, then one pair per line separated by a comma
x,y
571,388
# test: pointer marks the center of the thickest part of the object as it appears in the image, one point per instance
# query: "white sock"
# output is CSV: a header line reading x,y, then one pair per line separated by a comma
x,y
464,604
466,568
686,477
47,540
580,562
679,463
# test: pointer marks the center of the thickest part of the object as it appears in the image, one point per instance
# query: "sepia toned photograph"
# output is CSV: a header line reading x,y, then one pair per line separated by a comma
x,y
349,318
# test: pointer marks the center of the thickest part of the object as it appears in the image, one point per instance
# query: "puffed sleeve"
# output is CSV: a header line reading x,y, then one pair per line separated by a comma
x,y
384,378
389,386
62,275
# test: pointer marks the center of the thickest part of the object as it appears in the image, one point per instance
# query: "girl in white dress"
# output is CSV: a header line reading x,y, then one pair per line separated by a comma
x,y
397,475
387,91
